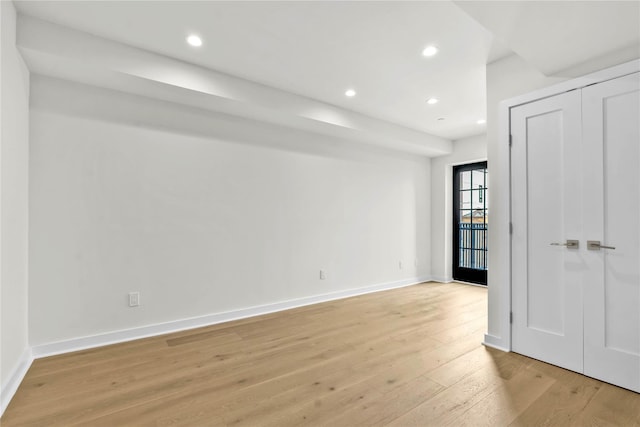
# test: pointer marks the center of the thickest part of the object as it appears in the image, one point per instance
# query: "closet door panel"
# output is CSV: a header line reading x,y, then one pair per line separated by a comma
x,y
545,193
611,129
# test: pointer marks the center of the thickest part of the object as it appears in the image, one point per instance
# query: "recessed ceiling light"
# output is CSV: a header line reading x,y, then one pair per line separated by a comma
x,y
481,121
350,93
430,51
194,40
432,101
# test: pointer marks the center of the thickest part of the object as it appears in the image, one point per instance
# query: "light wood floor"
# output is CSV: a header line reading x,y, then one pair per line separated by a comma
x,y
404,357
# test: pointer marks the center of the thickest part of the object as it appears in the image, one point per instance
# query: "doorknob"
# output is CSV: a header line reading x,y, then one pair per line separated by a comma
x,y
594,245
570,244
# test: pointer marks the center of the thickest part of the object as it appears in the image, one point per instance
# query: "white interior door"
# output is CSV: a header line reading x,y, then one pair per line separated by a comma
x,y
546,209
611,138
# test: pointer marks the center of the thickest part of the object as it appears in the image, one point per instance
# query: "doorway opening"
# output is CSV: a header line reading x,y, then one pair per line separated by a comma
x,y
470,223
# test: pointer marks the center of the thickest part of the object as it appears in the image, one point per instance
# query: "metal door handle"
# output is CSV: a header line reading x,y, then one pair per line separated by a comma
x,y
570,244
594,245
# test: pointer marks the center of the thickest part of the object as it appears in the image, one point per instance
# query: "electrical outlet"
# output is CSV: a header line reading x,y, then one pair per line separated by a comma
x,y
134,299
322,275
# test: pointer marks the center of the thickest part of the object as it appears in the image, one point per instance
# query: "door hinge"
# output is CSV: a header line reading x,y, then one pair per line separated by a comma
x,y
511,317
510,140
510,228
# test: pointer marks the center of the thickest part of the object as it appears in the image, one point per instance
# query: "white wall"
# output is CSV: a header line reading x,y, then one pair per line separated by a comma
x,y
506,78
203,213
467,150
14,149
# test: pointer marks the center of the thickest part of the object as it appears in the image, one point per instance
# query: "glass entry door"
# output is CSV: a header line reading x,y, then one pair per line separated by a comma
x,y
470,222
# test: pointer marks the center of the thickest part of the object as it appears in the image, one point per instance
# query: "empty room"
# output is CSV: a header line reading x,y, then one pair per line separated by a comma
x,y
319,213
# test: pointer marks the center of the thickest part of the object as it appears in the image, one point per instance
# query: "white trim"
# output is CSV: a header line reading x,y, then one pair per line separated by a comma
x,y
577,83
83,343
494,342
442,279
9,389
503,275
468,162
503,235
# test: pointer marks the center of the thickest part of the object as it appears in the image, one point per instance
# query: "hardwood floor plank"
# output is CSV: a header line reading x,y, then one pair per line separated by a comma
x,y
401,396
611,405
506,402
209,335
453,371
449,404
562,403
410,356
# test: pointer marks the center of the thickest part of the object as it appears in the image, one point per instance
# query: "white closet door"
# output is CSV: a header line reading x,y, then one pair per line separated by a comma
x,y
546,208
611,137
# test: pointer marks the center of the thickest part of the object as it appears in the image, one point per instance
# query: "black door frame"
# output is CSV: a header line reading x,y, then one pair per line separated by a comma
x,y
461,273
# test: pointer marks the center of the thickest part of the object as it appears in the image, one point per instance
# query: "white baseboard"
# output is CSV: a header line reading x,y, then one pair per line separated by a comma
x,y
442,279
495,342
83,343
9,388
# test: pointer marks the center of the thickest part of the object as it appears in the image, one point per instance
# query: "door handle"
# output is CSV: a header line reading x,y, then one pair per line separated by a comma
x,y
594,245
570,244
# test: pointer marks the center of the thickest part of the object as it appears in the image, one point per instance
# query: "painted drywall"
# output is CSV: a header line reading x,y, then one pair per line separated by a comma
x,y
467,150
203,213
14,151
506,78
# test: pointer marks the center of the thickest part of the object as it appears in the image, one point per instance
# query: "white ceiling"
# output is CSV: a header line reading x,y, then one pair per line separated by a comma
x,y
568,38
319,49
316,49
